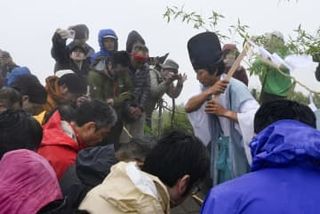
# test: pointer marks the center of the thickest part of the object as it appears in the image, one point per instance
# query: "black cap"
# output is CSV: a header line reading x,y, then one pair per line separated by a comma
x,y
76,44
75,83
205,51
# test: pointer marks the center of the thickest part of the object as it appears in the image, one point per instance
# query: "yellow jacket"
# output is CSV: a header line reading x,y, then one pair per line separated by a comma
x,y
127,189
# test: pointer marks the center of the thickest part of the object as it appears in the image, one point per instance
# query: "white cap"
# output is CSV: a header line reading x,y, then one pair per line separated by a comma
x,y
60,73
110,36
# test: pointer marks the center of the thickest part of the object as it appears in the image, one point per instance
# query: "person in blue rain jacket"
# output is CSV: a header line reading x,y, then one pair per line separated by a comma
x,y
285,172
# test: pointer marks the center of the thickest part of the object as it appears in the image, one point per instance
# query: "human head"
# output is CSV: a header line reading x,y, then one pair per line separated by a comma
x,y
5,58
169,66
10,99
206,57
71,87
93,121
18,130
271,112
179,160
15,74
230,53
34,95
78,51
108,40
137,49
119,63
135,150
27,182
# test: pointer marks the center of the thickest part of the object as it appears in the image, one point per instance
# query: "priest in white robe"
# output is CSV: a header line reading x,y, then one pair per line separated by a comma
x,y
222,112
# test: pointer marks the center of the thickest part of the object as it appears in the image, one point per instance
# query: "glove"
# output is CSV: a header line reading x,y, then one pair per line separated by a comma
x,y
125,96
65,34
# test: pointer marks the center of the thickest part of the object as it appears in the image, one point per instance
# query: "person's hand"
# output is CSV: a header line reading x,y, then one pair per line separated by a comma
x,y
65,34
135,112
125,96
169,77
219,87
110,101
82,99
182,77
213,107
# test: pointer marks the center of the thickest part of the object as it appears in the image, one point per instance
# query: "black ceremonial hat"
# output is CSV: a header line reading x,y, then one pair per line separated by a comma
x,y
205,50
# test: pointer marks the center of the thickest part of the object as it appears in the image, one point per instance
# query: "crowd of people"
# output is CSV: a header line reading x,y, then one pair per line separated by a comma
x,y
77,144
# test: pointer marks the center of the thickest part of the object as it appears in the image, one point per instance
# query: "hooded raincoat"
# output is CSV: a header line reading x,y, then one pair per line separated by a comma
x,y
27,182
285,174
103,52
127,190
59,144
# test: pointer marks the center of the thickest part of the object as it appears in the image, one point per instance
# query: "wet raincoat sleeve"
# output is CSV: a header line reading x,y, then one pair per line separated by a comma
x,y
220,202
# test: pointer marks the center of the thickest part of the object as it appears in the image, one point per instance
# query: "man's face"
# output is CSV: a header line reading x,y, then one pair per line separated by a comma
x,y
119,70
109,44
91,135
77,55
67,96
5,60
229,59
139,54
167,73
32,108
205,78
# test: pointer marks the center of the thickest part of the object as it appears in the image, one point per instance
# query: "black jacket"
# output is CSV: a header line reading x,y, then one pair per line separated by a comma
x,y
92,166
60,52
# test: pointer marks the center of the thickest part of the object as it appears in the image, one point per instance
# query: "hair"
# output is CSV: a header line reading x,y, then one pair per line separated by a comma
x,y
120,58
178,154
66,112
18,130
271,112
30,85
217,69
6,54
75,83
9,97
95,111
136,149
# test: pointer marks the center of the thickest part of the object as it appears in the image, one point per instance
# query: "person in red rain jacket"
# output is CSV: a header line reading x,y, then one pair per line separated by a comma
x,y
62,140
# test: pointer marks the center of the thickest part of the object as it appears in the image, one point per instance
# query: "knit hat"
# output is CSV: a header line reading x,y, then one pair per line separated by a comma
x,y
76,44
133,37
29,85
205,51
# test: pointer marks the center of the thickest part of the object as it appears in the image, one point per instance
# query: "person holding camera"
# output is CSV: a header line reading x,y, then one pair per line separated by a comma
x,y
75,55
161,82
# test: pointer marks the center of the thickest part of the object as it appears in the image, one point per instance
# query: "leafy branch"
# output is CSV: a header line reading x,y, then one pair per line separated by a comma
x,y
196,20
